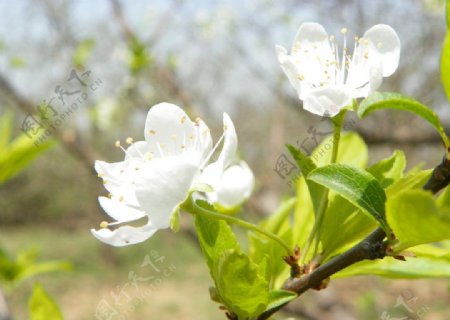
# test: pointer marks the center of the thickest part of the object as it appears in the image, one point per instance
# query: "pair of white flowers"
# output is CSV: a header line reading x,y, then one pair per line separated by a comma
x,y
158,175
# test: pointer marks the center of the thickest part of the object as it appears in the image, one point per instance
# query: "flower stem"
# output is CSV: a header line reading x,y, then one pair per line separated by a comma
x,y
193,208
316,231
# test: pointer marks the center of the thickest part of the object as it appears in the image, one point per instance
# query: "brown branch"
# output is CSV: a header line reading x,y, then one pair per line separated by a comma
x,y
371,248
4,310
164,75
71,142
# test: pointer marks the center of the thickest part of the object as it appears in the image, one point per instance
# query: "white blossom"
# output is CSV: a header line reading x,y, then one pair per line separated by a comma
x,y
327,80
159,173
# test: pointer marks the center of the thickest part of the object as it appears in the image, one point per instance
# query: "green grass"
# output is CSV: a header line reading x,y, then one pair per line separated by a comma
x,y
101,270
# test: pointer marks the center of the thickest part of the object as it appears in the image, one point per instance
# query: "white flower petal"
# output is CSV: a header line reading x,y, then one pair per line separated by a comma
x,y
125,235
169,131
235,186
163,185
327,101
313,56
211,175
229,142
204,142
118,179
309,32
384,45
289,67
137,151
120,211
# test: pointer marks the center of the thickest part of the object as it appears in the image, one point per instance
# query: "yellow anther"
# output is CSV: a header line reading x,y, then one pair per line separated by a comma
x,y
191,137
152,132
104,225
129,140
183,119
344,30
182,146
117,144
301,77
149,155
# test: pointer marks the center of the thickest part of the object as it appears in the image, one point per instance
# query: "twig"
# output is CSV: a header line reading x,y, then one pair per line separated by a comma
x,y
4,311
371,248
72,145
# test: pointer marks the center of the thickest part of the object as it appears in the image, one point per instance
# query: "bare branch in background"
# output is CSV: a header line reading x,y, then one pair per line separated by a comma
x,y
163,75
69,140
4,311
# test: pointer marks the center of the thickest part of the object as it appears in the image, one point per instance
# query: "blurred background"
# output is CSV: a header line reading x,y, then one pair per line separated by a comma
x,y
93,69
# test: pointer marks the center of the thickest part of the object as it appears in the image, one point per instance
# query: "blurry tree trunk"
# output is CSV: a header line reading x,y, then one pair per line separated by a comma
x,y
4,311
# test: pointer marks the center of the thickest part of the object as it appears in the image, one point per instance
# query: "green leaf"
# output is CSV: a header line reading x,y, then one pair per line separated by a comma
x,y
16,270
392,100
306,165
42,306
15,156
280,297
445,65
175,220
389,170
83,51
415,179
357,186
260,247
214,236
352,151
17,62
353,226
241,286
416,219
304,162
413,268
431,262
303,214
